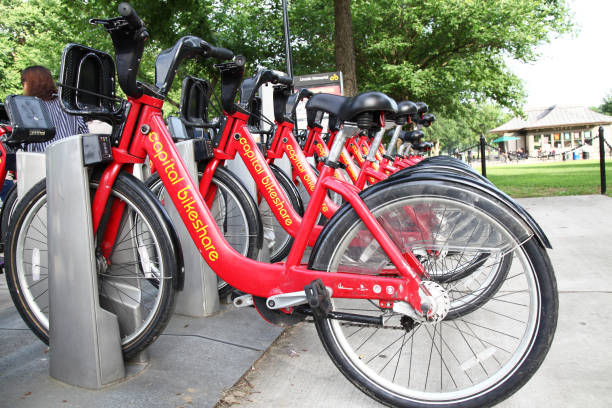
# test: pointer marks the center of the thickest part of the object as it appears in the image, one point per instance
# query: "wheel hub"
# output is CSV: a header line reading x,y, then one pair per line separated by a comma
x,y
101,264
435,301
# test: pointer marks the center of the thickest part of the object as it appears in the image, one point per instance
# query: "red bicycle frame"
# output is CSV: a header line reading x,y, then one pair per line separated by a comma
x,y
145,133
236,139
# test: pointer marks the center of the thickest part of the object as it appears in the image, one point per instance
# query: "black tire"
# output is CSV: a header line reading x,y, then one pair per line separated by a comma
x,y
8,207
31,300
476,359
238,220
282,241
443,168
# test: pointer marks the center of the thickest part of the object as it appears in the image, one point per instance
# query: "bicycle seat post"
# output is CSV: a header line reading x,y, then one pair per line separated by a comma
x,y
375,144
393,142
347,131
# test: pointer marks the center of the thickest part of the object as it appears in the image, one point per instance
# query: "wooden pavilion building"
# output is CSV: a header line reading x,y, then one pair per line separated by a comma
x,y
554,130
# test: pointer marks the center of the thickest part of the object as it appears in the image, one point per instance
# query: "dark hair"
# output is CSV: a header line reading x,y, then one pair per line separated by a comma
x,y
41,82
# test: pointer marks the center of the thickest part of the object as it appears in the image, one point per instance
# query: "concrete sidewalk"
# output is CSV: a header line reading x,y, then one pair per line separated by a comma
x,y
197,359
296,371
191,364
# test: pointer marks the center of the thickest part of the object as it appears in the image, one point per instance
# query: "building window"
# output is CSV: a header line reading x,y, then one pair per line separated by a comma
x,y
537,141
566,136
587,134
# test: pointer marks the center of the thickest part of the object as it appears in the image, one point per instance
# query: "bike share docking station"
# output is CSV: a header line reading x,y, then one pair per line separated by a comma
x,y
31,169
84,338
199,296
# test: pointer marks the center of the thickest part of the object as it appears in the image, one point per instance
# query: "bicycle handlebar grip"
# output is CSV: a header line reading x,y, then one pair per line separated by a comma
x,y
220,53
126,11
285,80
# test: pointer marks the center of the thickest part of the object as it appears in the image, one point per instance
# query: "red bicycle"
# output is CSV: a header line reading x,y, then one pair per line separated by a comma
x,y
384,323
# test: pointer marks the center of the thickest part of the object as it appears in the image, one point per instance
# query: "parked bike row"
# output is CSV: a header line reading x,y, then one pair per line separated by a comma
x,y
427,285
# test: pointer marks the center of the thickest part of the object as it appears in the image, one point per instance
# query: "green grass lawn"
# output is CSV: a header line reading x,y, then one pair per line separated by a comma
x,y
551,179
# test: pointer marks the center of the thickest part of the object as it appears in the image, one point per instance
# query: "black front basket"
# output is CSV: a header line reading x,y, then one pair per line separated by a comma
x,y
87,86
194,101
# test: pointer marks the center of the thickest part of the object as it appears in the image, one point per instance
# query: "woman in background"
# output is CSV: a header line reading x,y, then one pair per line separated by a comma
x,y
38,81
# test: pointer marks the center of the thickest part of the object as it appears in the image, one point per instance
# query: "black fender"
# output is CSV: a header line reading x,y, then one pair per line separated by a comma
x,y
489,188
422,176
442,167
252,203
162,215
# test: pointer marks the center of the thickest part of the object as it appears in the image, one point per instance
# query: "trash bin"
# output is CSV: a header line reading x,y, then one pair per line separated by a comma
x,y
576,156
585,155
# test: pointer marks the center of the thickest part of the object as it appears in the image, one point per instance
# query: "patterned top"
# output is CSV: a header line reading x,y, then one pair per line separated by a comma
x,y
65,125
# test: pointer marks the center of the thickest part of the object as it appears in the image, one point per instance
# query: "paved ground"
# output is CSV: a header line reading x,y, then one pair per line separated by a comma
x,y
191,364
296,371
196,359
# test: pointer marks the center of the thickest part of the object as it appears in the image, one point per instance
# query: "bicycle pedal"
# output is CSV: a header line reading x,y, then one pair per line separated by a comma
x,y
318,298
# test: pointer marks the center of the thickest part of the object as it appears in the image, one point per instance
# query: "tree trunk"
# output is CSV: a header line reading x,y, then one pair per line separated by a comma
x,y
344,47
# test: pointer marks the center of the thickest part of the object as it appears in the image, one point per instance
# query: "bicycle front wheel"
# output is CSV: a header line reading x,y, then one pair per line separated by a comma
x,y
141,274
502,314
279,240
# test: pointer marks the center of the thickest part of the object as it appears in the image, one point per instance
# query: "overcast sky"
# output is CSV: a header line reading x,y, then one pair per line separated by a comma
x,y
573,70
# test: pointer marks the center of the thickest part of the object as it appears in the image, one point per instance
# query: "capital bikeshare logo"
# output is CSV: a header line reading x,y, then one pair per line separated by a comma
x,y
350,168
186,198
251,159
306,178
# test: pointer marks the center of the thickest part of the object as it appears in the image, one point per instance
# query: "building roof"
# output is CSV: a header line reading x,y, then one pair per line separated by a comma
x,y
553,117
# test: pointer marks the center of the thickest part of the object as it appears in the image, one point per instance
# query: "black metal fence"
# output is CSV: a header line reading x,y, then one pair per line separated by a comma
x,y
485,153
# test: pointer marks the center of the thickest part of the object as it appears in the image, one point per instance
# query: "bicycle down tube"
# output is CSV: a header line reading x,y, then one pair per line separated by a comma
x,y
285,143
266,279
237,139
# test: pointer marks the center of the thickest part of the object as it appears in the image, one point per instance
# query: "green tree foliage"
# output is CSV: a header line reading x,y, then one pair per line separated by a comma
x,y
449,53
464,130
606,105
34,32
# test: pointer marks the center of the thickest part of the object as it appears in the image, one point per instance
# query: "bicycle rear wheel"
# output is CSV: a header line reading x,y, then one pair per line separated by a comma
x,y
142,273
502,315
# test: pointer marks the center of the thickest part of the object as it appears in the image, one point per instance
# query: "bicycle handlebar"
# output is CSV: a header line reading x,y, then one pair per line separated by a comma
x,y
263,76
129,34
285,80
127,12
218,52
190,46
